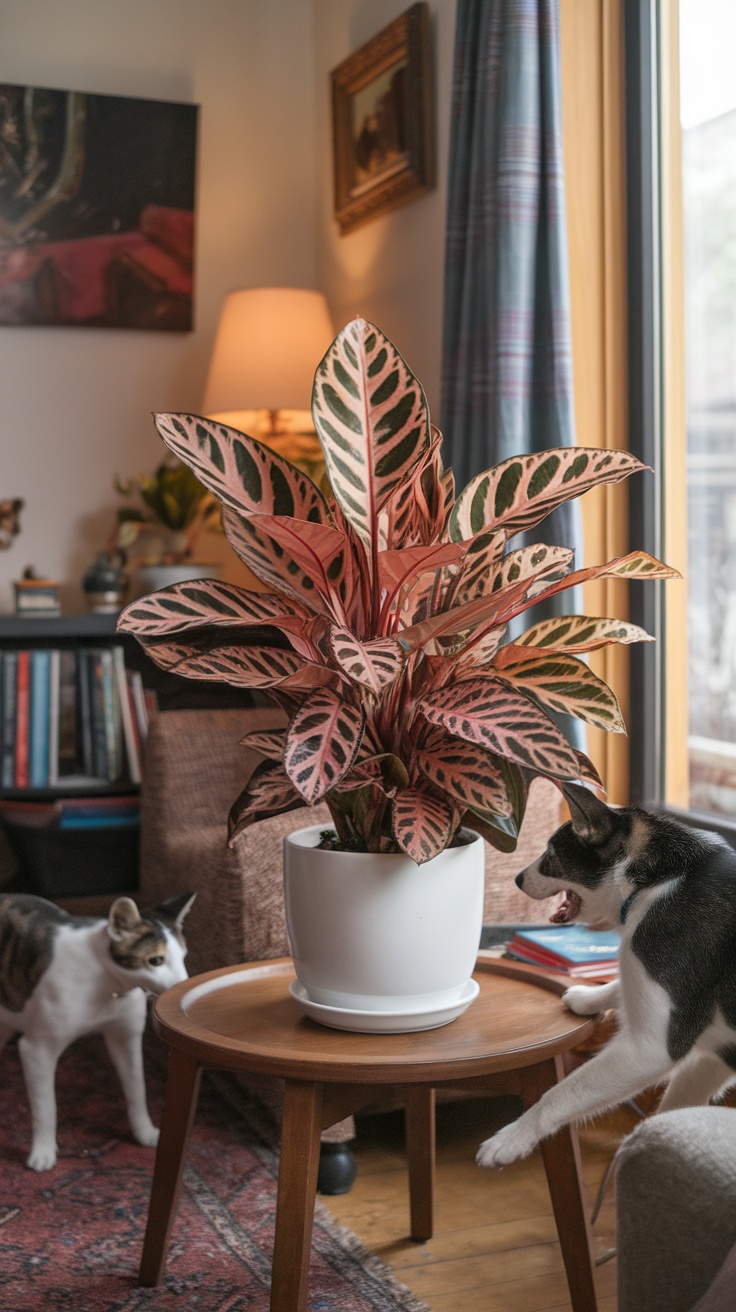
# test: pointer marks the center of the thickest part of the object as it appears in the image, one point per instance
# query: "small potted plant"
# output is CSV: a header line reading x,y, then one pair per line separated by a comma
x,y
158,530
383,636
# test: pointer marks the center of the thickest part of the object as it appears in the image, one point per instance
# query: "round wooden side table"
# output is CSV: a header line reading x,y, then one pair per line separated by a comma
x,y
510,1040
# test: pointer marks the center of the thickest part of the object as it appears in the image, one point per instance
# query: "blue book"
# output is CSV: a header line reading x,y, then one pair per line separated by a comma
x,y
38,734
566,946
99,822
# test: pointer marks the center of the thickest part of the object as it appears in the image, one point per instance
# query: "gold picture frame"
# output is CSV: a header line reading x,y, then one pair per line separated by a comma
x,y
383,121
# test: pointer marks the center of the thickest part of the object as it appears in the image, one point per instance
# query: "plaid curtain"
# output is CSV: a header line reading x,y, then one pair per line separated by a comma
x,y
507,359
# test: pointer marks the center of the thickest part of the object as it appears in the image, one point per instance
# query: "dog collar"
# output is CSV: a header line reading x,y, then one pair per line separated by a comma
x,y
625,905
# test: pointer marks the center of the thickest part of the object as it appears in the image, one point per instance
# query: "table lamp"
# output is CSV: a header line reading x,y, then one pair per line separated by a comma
x,y
269,342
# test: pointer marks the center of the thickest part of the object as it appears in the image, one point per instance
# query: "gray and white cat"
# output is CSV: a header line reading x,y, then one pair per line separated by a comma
x,y
63,976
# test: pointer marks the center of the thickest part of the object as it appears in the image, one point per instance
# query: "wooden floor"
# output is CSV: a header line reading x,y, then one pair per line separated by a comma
x,y
495,1245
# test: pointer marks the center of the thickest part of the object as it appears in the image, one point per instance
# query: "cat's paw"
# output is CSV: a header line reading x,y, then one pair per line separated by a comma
x,y
146,1135
42,1157
509,1145
583,999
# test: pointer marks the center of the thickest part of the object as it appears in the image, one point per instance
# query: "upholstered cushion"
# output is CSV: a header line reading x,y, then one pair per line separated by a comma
x,y
676,1209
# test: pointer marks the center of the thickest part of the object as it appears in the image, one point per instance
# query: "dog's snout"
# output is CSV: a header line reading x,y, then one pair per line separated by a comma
x,y
519,881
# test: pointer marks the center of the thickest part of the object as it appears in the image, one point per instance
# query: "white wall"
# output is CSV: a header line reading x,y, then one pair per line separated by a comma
x,y
76,402
391,269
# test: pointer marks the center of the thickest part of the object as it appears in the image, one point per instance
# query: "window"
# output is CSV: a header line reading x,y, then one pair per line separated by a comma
x,y
708,122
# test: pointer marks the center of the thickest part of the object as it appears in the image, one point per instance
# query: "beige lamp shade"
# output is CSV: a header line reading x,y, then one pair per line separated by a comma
x,y
268,345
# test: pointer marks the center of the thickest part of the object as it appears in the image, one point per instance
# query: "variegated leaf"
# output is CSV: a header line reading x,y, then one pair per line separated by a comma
x,y
486,572
209,602
493,715
478,655
269,742
267,560
417,511
201,657
503,605
404,569
371,416
521,491
244,475
322,743
466,773
268,792
384,769
580,633
423,823
373,663
562,682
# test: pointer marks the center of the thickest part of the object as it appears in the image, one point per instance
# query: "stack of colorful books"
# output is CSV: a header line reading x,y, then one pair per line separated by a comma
x,y
570,949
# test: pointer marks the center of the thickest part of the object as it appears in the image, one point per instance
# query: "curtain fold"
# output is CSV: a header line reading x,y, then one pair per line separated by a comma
x,y
507,384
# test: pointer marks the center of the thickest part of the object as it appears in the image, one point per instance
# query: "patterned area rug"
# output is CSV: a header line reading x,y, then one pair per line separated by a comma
x,y
71,1238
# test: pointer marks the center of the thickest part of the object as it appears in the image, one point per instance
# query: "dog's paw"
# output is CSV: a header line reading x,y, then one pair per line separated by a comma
x,y
42,1157
583,999
509,1145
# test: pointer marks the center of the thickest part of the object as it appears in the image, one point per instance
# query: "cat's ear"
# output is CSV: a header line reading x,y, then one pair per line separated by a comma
x,y
591,819
124,917
175,910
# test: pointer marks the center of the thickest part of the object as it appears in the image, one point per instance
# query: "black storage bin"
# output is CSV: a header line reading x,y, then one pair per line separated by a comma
x,y
59,863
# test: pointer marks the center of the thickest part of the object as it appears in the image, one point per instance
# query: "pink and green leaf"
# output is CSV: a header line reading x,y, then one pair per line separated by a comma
x,y
269,742
489,713
374,662
423,823
580,633
371,416
199,657
268,792
521,491
208,602
465,773
563,683
245,475
322,743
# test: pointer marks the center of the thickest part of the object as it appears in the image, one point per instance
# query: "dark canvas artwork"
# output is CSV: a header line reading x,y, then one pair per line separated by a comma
x,y
96,210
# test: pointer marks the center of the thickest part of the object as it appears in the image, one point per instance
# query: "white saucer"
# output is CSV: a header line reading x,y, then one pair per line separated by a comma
x,y
383,1022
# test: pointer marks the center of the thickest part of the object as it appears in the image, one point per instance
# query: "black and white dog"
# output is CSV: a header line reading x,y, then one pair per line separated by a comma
x,y
671,891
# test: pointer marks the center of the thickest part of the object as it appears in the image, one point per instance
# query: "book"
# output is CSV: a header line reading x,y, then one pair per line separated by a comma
x,y
99,735
22,718
112,717
141,711
9,682
130,734
570,949
84,715
68,747
38,717
54,689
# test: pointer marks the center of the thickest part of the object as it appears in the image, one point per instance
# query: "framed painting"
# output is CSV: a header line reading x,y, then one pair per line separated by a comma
x,y
383,121
96,210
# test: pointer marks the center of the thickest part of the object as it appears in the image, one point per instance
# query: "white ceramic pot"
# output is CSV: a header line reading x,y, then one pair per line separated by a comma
x,y
379,942
151,578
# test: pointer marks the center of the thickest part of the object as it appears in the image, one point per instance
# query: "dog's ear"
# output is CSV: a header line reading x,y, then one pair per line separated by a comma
x,y
591,819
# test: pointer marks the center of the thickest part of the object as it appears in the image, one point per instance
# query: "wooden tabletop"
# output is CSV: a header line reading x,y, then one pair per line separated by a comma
x,y
243,1018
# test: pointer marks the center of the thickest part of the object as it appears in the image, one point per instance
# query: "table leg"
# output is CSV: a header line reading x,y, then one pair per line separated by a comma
x,y
297,1190
180,1104
561,1156
419,1117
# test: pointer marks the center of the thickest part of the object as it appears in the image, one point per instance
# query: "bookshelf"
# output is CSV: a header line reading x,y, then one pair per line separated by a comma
x,y
68,854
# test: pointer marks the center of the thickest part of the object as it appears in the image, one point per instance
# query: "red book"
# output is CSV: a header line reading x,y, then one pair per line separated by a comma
x,y
22,719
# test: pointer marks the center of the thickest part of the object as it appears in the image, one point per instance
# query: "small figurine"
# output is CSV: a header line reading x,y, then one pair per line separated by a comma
x,y
104,583
35,596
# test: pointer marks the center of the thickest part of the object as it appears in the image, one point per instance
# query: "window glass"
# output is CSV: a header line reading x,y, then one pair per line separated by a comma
x,y
708,118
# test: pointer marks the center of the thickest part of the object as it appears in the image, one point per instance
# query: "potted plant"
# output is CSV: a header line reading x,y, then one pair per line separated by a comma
x,y
383,637
158,530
